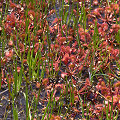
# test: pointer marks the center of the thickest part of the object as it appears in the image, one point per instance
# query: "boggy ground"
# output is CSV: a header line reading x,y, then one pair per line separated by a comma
x,y
60,60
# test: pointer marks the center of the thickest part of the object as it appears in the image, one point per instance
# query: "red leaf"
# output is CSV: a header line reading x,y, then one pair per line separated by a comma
x,y
71,65
66,1
3,61
9,53
31,12
12,5
116,52
45,81
80,68
61,40
59,86
51,29
85,45
105,26
39,32
56,66
55,20
51,12
66,58
73,58
70,38
96,12
74,81
95,2
63,75
68,49
18,69
82,89
117,84
37,85
87,83
21,46
10,43
56,118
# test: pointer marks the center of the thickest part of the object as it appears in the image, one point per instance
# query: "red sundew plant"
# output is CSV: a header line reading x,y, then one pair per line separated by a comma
x,y
67,61
9,53
10,43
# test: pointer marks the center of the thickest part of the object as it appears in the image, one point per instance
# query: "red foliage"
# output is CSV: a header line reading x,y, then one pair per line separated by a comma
x,y
70,60
63,75
12,5
95,2
117,84
18,69
45,81
61,40
10,43
9,53
66,58
39,32
21,46
85,87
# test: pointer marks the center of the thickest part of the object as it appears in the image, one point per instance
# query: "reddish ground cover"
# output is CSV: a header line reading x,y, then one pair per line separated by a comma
x,y
77,62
